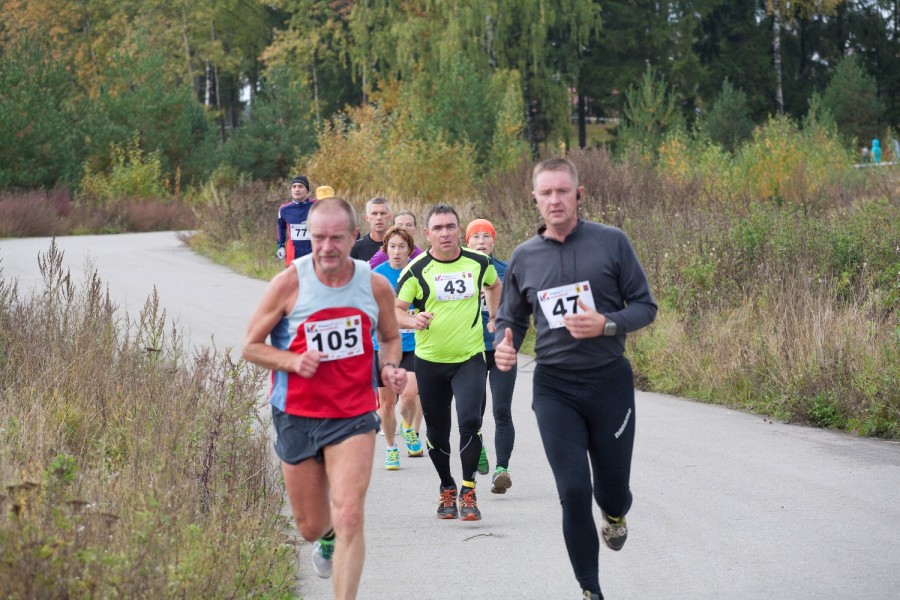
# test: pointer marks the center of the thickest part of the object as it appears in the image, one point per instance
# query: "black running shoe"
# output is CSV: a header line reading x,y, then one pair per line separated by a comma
x,y
615,532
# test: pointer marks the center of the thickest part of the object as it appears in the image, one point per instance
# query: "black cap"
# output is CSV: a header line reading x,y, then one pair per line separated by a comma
x,y
301,179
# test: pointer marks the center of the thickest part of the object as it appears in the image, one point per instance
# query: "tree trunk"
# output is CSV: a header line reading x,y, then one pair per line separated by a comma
x,y
776,48
195,81
582,126
315,76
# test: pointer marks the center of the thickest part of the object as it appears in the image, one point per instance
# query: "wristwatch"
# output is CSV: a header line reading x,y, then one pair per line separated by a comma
x,y
610,328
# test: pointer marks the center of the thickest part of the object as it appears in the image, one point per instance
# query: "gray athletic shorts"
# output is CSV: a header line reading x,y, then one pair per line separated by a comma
x,y
299,438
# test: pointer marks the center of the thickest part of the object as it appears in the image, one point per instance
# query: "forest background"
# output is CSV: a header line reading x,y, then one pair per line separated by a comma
x,y
724,136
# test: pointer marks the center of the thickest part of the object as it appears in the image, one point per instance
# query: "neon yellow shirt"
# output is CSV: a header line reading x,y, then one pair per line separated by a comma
x,y
451,292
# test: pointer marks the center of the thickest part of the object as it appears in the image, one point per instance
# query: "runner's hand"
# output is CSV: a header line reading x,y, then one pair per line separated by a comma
x,y
308,363
586,323
423,320
279,254
395,378
505,354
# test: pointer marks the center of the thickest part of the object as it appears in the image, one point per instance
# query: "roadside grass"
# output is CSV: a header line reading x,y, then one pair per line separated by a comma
x,y
129,467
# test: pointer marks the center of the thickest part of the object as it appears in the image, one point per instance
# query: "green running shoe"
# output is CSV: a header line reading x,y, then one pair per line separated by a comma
x,y
483,465
322,555
501,481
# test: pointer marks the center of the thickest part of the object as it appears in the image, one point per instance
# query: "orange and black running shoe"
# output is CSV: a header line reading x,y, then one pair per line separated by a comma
x,y
468,505
447,504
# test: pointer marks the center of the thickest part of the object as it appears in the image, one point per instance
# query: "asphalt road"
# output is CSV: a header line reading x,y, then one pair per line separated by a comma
x,y
727,504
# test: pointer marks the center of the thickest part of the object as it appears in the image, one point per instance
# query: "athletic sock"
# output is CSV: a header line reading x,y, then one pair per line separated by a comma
x,y
468,484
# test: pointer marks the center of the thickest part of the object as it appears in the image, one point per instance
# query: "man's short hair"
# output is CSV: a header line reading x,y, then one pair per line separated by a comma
x,y
407,213
440,209
335,204
557,163
378,200
403,233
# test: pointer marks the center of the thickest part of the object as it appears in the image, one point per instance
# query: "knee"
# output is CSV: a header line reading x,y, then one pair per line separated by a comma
x,y
311,531
502,414
348,518
470,425
575,495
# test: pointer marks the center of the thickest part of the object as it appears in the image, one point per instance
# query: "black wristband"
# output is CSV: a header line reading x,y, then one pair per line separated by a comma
x,y
387,364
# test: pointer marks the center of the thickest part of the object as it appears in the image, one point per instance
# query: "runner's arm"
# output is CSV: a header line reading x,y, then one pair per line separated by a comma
x,y
514,312
280,294
492,299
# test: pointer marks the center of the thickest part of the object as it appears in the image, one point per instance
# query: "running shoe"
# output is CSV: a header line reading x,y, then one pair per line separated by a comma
x,y
468,505
413,443
501,481
484,466
447,504
615,532
588,595
392,460
322,554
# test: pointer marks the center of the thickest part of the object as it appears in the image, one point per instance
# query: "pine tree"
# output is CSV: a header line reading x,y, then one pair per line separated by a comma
x,y
852,99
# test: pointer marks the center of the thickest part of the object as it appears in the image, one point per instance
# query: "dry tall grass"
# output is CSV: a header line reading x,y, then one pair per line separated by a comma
x,y
129,468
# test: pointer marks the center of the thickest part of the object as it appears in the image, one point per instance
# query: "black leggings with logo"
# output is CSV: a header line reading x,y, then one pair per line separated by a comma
x,y
438,384
586,420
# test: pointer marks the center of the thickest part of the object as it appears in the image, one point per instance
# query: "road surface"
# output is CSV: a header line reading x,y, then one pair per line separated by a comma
x,y
727,504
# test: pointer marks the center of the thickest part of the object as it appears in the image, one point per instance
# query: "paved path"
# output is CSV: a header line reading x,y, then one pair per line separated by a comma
x,y
727,505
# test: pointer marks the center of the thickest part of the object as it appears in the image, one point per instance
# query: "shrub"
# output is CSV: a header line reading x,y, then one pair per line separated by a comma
x,y
368,152
36,213
133,174
784,164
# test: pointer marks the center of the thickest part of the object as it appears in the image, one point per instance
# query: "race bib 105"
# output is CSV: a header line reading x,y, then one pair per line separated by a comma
x,y
336,338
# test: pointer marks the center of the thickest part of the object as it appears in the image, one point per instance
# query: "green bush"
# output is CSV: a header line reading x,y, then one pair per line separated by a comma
x,y
132,174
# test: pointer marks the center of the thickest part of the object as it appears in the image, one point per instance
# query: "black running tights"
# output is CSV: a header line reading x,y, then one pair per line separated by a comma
x,y
586,420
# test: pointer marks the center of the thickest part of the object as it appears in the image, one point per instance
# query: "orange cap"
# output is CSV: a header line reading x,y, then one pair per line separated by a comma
x,y
480,226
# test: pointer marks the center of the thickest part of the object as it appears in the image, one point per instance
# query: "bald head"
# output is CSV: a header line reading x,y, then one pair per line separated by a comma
x,y
331,206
